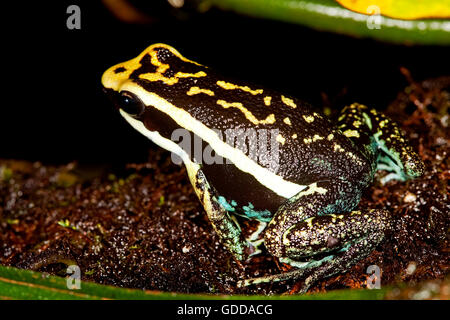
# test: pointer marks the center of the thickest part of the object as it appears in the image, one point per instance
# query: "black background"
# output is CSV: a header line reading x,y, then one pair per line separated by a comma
x,y
55,110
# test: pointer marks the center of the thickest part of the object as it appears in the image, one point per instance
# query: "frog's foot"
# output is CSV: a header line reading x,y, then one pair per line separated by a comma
x,y
343,262
223,223
375,132
344,238
326,267
302,268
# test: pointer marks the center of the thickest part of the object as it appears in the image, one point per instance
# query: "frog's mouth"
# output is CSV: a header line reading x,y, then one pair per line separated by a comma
x,y
155,137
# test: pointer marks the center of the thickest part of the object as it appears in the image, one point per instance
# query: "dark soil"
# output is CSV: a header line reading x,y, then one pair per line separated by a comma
x,y
142,226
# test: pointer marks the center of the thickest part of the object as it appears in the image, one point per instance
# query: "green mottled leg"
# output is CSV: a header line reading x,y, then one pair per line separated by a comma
x,y
225,226
341,240
358,251
307,234
374,132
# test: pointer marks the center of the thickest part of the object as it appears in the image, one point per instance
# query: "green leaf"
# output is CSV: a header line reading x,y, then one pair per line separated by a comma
x,y
25,284
328,15
401,9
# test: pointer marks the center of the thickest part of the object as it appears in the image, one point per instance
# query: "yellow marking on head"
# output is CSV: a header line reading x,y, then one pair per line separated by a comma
x,y
351,133
190,75
269,120
162,67
294,136
197,90
113,80
157,76
289,102
267,100
281,139
308,119
330,137
287,121
231,86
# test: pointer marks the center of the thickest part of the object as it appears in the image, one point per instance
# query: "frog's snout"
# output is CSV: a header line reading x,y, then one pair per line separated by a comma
x,y
112,96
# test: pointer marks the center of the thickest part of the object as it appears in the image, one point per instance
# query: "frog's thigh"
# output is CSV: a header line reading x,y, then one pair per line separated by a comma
x,y
223,224
319,198
319,219
335,232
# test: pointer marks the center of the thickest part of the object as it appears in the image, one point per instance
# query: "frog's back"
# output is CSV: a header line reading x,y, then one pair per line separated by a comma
x,y
294,140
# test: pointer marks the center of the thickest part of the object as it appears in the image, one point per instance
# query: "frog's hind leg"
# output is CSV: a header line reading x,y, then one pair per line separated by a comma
x,y
340,240
317,230
225,226
375,132
343,261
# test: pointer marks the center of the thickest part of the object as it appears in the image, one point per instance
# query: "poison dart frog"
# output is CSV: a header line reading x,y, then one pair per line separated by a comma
x,y
304,197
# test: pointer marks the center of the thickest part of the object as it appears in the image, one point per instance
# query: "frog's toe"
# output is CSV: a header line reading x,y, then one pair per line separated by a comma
x,y
414,166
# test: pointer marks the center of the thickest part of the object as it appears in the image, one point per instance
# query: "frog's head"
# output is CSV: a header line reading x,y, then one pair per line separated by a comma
x,y
134,87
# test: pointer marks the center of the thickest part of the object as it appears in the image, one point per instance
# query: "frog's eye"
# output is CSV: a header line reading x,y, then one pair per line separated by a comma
x,y
131,104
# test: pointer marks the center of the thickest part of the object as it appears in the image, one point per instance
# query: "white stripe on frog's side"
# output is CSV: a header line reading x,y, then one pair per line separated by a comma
x,y
267,178
191,167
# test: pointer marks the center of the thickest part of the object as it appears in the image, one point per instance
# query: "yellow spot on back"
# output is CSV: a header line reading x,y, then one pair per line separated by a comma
x,y
308,119
267,100
289,102
231,86
383,123
351,133
287,121
281,139
317,137
357,123
294,136
330,136
197,90
248,114
337,147
313,139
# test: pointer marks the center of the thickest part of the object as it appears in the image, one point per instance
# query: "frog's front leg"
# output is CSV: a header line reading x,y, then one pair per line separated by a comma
x,y
225,226
381,141
318,222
